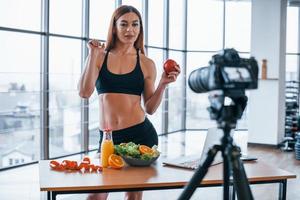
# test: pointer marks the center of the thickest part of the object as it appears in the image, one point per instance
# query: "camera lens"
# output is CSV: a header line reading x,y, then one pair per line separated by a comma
x,y
198,80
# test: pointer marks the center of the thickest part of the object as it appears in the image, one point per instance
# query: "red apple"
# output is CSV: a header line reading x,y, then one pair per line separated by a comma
x,y
169,65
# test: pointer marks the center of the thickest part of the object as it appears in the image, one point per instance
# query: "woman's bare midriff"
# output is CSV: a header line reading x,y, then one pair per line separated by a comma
x,y
119,111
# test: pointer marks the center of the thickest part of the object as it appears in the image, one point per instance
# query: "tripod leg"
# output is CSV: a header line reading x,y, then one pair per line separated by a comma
x,y
233,194
240,179
199,174
226,174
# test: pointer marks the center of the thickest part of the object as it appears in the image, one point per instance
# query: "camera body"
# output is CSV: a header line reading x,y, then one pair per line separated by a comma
x,y
226,71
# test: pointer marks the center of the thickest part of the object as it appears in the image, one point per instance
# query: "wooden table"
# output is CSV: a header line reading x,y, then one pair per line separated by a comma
x,y
150,178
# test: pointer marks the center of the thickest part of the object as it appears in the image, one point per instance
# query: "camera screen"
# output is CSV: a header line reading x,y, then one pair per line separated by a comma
x,y
236,74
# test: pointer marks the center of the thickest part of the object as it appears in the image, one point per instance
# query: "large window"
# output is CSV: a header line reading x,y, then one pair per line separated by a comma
x,y
207,40
157,56
196,111
21,14
176,25
20,98
100,14
205,25
64,102
66,19
237,25
155,25
93,121
292,43
176,110
137,4
205,36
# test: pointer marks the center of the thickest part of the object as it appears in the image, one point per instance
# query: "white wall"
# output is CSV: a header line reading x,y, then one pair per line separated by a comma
x,y
267,103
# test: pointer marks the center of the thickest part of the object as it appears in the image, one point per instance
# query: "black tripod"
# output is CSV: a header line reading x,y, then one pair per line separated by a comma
x,y
226,117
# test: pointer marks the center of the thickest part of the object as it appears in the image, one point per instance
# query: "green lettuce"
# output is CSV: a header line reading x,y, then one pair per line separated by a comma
x,y
131,149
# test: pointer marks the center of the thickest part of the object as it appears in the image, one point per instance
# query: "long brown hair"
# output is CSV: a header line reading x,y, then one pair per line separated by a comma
x,y
111,36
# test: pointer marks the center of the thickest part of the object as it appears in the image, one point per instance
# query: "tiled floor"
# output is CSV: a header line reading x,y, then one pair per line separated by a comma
x,y
22,183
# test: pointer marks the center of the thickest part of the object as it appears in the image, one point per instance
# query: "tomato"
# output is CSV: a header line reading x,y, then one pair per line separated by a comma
x,y
169,66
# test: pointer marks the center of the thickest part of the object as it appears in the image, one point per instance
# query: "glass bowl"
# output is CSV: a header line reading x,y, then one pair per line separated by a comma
x,y
139,162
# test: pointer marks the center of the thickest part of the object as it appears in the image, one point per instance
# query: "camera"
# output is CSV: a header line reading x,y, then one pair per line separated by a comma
x,y
229,75
226,71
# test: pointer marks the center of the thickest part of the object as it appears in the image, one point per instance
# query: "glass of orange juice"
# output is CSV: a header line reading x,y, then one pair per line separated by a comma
x,y
107,147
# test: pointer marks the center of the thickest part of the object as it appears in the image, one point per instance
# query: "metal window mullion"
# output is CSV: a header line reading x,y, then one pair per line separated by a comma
x,y
146,21
84,52
118,3
44,85
298,56
183,68
224,22
18,30
165,105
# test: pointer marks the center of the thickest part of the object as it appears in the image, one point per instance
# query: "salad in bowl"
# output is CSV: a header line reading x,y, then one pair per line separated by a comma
x,y
136,154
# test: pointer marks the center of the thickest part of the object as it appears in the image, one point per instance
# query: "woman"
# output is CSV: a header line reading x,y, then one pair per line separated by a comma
x,y
122,73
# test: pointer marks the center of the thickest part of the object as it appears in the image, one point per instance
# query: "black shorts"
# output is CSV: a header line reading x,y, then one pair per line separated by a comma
x,y
143,133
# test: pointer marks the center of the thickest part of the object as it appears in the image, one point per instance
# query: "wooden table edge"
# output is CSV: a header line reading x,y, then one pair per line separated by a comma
x,y
206,183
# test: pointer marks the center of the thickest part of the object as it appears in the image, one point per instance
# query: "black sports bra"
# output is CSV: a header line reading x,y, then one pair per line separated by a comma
x,y
129,83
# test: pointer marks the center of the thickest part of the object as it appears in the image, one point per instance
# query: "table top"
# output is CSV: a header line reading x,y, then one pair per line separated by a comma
x,y
154,176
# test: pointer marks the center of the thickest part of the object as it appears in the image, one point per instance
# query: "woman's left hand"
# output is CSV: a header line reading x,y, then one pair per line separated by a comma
x,y
171,77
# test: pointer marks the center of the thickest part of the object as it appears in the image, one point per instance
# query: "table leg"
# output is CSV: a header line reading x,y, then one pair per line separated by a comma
x,y
282,190
48,195
52,195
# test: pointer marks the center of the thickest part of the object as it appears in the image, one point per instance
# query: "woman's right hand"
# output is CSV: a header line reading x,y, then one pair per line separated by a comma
x,y
95,46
